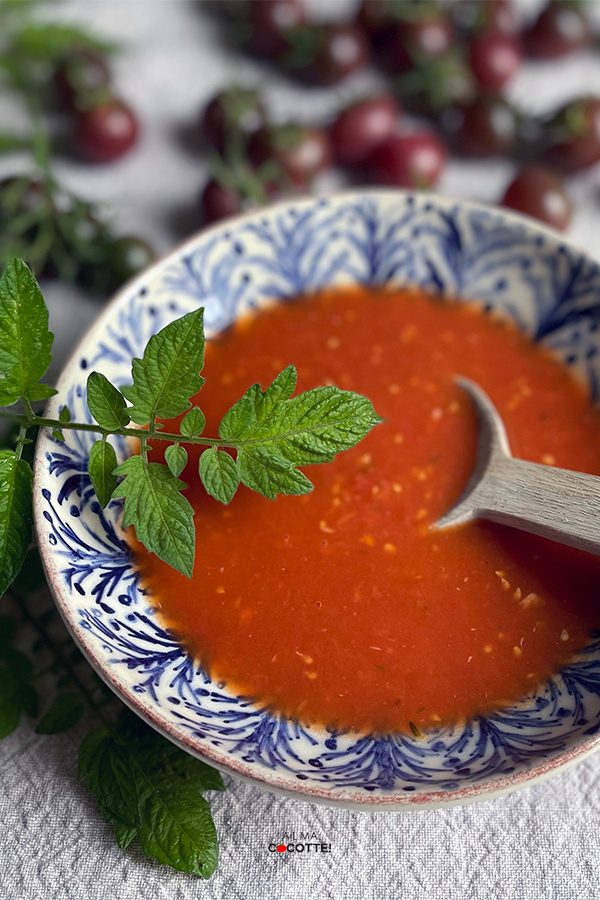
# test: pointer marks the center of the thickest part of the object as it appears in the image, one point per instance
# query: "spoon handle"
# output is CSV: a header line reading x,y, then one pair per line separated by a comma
x,y
554,503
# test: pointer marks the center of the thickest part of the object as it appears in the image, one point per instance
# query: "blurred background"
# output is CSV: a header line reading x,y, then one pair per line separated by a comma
x,y
126,125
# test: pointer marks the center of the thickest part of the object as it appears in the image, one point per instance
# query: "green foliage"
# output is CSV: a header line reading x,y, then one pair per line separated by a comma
x,y
102,463
168,373
154,504
15,515
65,712
25,340
152,792
176,458
219,474
106,403
192,423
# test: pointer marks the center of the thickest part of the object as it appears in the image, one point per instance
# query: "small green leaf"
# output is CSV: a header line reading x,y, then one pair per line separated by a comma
x,y
15,515
177,827
162,517
102,463
176,458
219,474
106,403
269,474
66,710
105,769
64,415
41,391
25,341
58,434
168,373
125,834
193,423
53,41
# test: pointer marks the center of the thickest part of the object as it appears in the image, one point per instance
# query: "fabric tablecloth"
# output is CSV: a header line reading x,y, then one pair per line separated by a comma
x,y
541,843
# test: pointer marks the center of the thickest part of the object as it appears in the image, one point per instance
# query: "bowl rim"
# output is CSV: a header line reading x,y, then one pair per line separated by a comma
x,y
228,764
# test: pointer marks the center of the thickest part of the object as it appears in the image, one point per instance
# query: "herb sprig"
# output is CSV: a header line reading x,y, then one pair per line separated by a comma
x,y
261,443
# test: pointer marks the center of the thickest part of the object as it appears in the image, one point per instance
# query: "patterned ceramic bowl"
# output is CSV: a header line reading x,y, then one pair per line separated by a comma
x,y
550,289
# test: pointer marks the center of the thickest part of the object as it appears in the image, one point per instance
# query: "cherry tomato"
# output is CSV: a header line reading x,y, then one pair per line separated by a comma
x,y
495,58
106,132
81,77
411,160
539,192
486,127
415,40
338,50
128,255
361,127
299,151
232,114
218,202
573,141
560,28
270,22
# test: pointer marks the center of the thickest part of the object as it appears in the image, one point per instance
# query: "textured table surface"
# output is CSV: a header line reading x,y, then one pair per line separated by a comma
x,y
541,843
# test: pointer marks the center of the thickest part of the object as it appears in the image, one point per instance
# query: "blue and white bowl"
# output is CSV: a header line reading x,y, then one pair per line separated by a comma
x,y
549,288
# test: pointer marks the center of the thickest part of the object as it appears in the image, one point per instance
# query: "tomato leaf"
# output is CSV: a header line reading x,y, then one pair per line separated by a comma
x,y
102,463
220,474
176,458
162,517
65,712
168,373
193,423
106,403
15,515
25,340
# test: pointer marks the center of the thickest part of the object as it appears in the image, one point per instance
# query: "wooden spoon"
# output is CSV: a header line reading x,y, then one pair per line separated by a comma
x,y
555,503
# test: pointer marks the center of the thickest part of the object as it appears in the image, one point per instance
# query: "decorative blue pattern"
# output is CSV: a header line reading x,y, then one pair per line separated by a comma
x,y
551,291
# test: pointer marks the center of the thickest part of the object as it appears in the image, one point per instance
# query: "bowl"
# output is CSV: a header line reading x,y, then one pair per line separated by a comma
x,y
550,289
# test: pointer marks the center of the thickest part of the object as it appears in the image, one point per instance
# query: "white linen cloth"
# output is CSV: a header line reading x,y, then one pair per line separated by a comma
x,y
541,843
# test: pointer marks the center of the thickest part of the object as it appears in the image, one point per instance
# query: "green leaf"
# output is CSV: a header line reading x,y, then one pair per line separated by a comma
x,y
15,515
162,517
102,463
177,827
193,423
106,403
11,142
64,416
270,474
16,694
66,710
41,391
275,432
25,341
105,769
176,458
151,790
219,474
53,41
168,373
125,834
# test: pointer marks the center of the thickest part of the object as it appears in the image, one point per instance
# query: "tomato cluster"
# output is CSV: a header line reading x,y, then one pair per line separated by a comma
x,y
448,65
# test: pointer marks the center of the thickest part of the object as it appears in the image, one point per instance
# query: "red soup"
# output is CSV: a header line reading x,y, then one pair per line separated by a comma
x,y
344,607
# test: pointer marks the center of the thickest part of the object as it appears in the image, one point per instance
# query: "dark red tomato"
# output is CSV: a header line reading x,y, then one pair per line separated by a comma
x,y
361,127
486,127
218,202
339,50
299,151
82,76
574,135
539,192
234,113
560,28
414,41
105,132
411,160
495,58
270,23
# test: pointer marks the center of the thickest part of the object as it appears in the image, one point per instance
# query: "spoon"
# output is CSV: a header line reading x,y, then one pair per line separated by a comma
x,y
558,504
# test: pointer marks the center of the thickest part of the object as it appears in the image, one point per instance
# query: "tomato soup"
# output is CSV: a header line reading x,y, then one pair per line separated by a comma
x,y
344,607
